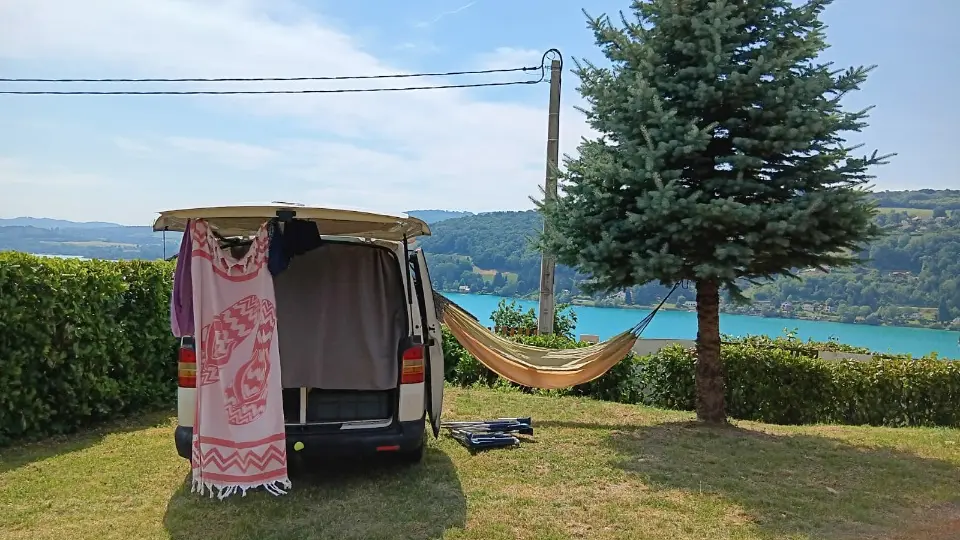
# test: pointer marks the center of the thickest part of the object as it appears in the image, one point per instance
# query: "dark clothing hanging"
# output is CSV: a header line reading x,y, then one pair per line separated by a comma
x,y
297,237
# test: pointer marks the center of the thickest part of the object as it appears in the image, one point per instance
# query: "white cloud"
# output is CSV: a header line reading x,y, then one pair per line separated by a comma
x,y
48,190
133,146
15,172
240,155
443,148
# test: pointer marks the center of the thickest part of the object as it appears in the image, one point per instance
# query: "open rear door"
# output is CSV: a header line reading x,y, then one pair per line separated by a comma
x,y
433,339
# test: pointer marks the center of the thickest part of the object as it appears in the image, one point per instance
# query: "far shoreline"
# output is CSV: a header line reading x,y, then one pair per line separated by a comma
x,y
668,307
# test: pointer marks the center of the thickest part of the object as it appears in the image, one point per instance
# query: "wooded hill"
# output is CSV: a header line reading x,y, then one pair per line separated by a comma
x,y
911,276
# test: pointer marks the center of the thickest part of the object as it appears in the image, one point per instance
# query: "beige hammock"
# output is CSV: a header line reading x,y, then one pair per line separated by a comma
x,y
536,367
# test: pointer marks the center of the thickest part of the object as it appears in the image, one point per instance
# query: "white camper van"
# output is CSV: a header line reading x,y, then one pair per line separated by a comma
x,y
360,345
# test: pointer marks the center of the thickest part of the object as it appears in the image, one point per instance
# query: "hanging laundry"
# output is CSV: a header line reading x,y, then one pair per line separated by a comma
x,y
297,237
181,298
239,441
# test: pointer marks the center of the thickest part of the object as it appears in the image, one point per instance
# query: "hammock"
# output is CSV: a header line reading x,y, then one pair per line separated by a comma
x,y
538,367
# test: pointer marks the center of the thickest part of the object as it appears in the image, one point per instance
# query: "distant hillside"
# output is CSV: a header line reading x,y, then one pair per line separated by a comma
x,y
924,199
48,223
494,239
491,252
430,216
909,277
105,242
436,216
912,276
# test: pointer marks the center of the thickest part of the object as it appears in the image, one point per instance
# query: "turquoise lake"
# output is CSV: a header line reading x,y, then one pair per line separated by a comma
x,y
607,322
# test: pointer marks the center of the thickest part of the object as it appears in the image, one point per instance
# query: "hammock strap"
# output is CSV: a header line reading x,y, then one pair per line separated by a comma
x,y
642,325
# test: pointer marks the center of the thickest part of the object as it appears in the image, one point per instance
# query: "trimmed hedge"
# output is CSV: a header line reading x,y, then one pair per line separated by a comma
x,y
778,381
86,341
81,342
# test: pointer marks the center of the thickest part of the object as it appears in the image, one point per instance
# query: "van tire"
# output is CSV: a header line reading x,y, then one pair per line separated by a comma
x,y
414,455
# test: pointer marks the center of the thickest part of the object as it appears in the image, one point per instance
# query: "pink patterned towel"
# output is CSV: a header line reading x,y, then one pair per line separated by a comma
x,y
238,435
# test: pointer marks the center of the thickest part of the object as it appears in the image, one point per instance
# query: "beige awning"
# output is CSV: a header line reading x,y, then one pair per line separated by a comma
x,y
245,220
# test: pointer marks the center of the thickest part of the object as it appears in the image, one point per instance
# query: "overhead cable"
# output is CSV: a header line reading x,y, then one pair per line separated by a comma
x,y
282,79
541,68
242,92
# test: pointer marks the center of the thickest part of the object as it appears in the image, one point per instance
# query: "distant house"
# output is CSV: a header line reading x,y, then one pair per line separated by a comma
x,y
807,307
786,306
464,289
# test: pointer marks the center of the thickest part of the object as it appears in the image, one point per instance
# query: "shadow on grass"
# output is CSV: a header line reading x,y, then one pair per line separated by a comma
x,y
20,454
786,484
371,499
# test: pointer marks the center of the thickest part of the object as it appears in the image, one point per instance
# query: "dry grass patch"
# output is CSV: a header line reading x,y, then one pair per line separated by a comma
x,y
594,470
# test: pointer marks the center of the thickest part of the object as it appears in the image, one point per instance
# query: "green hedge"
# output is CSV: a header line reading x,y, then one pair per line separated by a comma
x,y
769,380
86,341
81,342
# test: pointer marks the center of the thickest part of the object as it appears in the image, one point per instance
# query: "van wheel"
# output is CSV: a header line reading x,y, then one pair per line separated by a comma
x,y
412,456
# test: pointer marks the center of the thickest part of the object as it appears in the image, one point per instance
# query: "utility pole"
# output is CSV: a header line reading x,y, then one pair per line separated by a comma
x,y
548,262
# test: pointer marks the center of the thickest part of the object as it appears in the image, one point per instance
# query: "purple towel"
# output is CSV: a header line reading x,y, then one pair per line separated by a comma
x,y
181,300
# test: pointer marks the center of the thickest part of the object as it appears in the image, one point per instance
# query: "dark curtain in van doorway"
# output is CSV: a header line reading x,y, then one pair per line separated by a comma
x,y
341,312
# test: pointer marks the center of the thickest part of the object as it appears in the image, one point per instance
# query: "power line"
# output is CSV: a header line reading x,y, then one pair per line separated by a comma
x,y
541,68
283,79
248,92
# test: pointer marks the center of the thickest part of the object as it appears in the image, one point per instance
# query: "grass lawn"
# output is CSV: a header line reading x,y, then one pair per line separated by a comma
x,y
593,470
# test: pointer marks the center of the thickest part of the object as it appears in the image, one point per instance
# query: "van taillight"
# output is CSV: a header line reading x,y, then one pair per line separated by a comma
x,y
187,367
412,366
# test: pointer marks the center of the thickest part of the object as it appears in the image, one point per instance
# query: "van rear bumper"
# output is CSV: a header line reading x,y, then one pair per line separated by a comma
x,y
399,437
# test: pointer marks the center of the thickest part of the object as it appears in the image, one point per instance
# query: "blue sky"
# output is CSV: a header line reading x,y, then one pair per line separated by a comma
x,y
124,158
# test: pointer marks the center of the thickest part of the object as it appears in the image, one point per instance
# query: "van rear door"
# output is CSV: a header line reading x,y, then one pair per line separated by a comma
x,y
433,340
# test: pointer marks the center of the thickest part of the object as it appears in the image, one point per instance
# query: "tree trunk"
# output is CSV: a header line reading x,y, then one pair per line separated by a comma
x,y
711,407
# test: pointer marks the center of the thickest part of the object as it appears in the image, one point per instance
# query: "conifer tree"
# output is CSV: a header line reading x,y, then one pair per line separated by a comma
x,y
721,158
